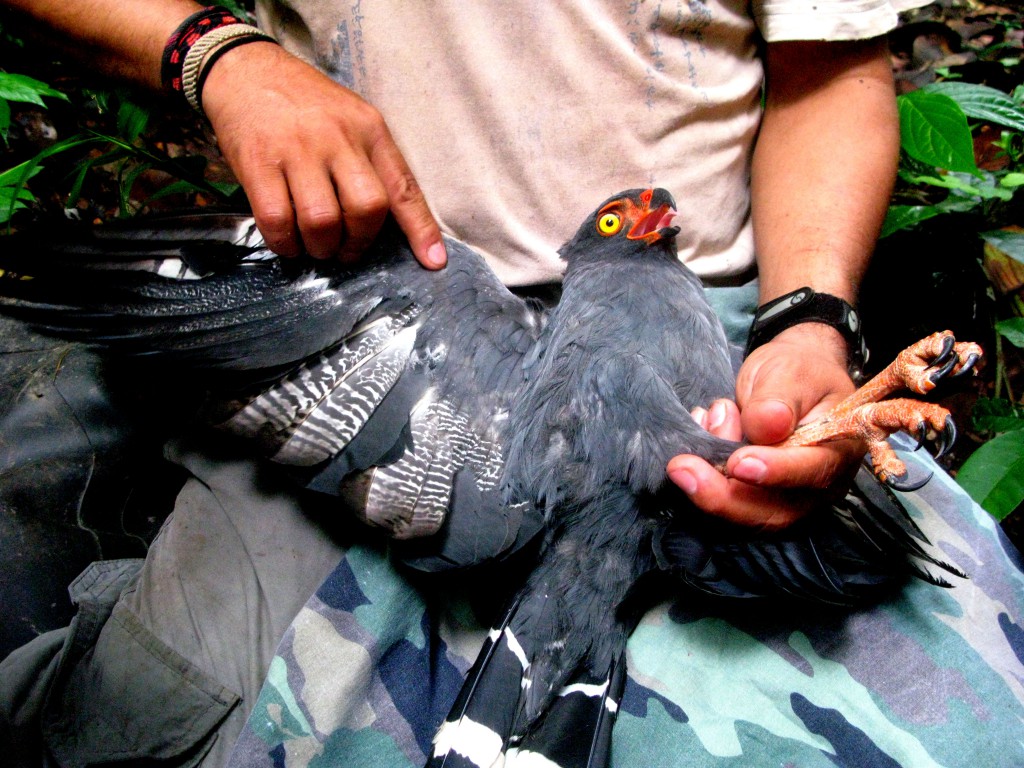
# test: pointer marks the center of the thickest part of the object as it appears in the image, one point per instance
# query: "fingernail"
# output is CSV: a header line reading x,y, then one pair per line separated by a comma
x,y
700,416
436,255
685,480
716,416
750,470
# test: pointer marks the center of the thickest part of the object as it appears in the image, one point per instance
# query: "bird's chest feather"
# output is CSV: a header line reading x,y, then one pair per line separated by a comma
x,y
624,362
627,343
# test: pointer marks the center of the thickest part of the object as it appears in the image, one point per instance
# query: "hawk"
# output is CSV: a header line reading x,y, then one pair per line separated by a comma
x,y
471,423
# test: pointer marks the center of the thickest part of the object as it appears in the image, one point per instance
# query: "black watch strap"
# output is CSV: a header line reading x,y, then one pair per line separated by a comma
x,y
807,306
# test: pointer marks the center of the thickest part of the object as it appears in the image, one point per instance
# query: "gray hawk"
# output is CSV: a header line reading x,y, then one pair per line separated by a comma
x,y
469,422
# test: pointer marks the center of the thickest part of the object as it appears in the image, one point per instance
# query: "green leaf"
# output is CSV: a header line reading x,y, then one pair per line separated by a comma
x,y
1012,180
181,186
82,168
997,415
226,188
17,176
933,129
14,196
76,186
5,118
12,200
1012,330
105,100
131,120
175,187
957,203
236,8
65,145
906,216
125,183
1010,243
987,189
12,176
994,474
26,89
982,103
107,158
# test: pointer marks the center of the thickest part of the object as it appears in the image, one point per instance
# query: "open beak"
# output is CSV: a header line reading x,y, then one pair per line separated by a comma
x,y
655,225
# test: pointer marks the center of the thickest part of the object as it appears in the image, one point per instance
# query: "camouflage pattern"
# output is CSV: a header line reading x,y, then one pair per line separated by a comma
x,y
931,677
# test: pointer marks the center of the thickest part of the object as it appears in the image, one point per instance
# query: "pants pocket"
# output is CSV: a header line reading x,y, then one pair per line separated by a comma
x,y
131,697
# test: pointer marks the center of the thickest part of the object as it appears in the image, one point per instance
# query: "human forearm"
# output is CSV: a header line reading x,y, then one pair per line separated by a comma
x,y
823,171
118,39
822,174
824,165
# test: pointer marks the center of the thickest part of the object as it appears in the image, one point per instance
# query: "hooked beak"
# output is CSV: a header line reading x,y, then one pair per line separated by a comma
x,y
655,225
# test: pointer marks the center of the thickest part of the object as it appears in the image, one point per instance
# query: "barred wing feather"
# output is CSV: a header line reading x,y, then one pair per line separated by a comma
x,y
390,370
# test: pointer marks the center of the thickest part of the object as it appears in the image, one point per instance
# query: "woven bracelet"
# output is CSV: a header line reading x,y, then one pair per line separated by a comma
x,y
205,52
185,36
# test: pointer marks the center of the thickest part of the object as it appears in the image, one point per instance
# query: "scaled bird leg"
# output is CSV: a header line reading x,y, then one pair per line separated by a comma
x,y
919,368
865,415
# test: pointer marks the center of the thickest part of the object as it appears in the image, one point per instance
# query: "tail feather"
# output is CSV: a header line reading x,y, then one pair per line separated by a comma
x,y
576,730
476,730
484,726
548,681
895,527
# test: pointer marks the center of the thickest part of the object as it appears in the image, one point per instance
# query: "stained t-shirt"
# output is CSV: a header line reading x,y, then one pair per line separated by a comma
x,y
519,118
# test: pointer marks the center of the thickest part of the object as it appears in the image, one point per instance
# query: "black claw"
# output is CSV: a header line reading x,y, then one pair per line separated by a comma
x,y
949,365
921,433
906,486
968,365
948,343
947,438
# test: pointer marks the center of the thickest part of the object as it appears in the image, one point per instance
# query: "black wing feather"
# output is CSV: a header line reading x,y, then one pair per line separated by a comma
x,y
865,546
201,292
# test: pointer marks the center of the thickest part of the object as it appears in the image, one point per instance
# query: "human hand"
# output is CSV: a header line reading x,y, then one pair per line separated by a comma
x,y
791,380
317,162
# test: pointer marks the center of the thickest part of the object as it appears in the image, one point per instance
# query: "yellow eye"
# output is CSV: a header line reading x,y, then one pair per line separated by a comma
x,y
609,223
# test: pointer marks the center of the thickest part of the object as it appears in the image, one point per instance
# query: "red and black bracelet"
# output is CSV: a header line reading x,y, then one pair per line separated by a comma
x,y
196,45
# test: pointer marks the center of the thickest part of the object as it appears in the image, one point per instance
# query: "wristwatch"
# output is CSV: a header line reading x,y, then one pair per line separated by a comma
x,y
807,306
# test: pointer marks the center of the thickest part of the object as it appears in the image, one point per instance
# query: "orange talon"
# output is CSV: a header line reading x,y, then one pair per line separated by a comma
x,y
867,416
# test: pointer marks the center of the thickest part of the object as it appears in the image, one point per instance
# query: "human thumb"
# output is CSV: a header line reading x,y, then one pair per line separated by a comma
x,y
768,417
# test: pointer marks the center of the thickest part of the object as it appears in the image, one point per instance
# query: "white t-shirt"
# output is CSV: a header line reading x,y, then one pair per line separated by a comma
x,y
519,118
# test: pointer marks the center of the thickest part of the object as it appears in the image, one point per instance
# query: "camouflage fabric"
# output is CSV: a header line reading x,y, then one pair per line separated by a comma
x,y
932,677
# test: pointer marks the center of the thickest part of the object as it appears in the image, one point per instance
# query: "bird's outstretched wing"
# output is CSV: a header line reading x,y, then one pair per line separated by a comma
x,y
389,381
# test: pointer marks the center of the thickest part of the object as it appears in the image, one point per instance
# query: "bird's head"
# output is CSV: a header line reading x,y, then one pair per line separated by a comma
x,y
630,223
